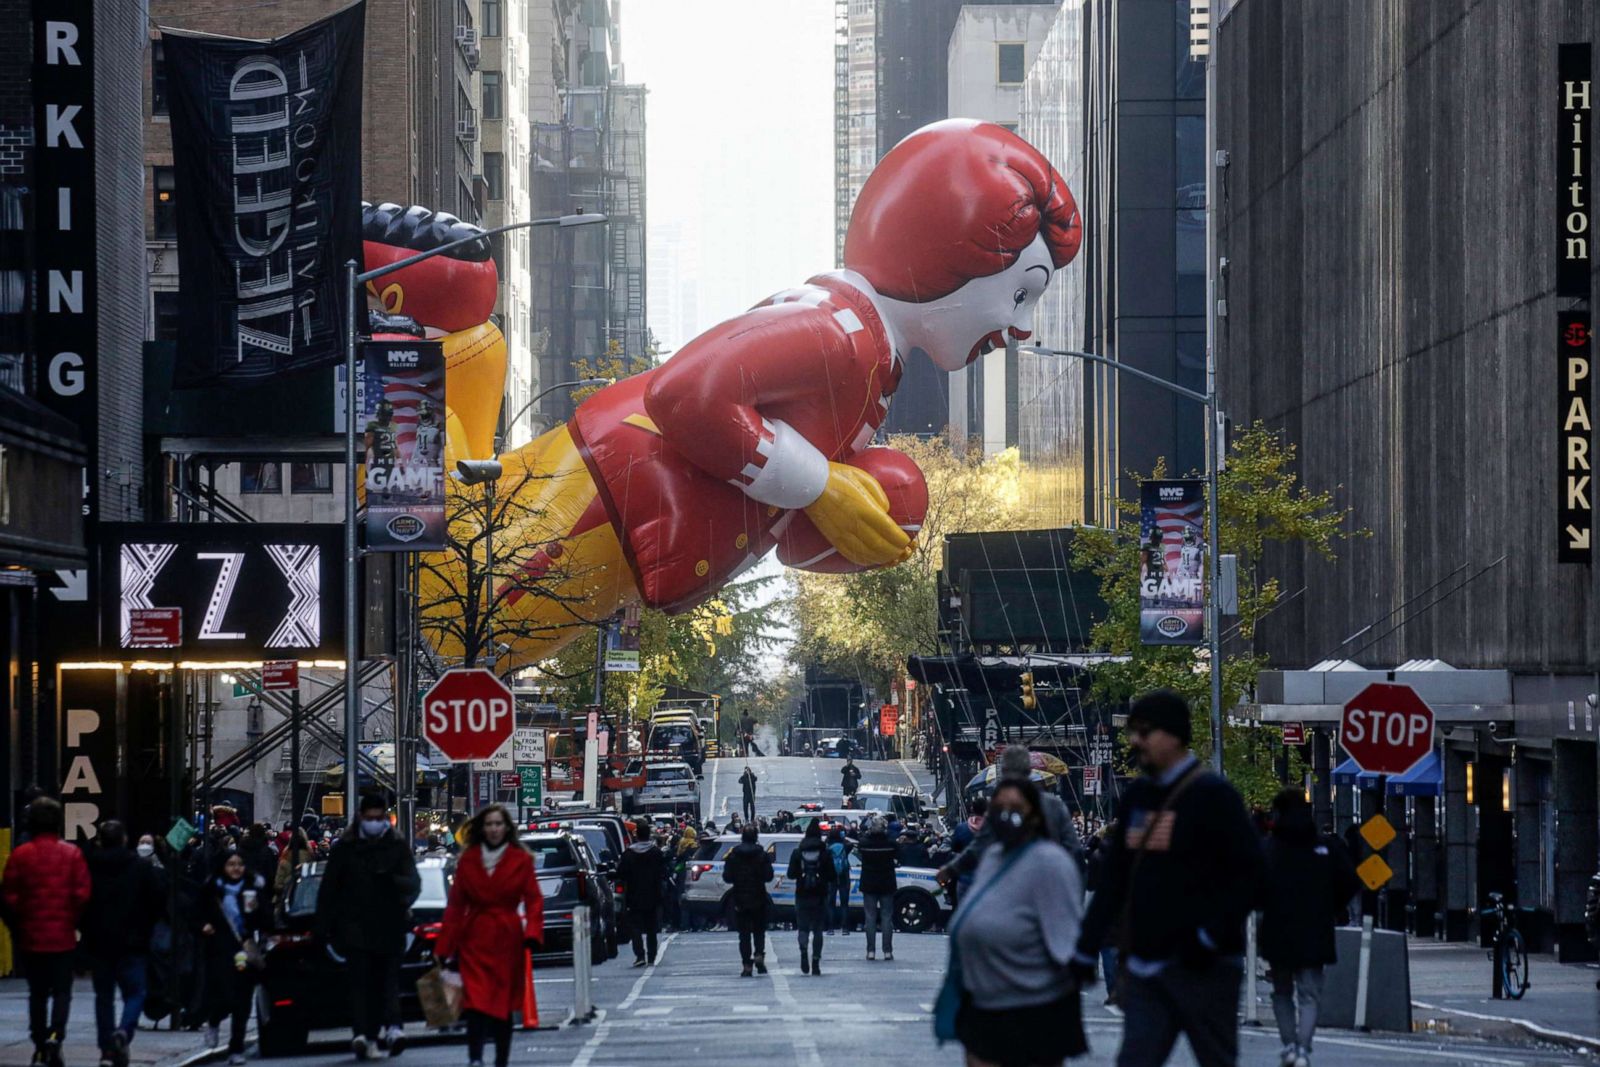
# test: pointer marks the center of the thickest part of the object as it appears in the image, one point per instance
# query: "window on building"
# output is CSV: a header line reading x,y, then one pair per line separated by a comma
x,y
158,78
491,11
492,105
494,174
164,315
1011,64
261,478
310,478
164,191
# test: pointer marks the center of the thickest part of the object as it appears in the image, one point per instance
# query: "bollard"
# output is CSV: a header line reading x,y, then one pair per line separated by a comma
x,y
1251,1008
530,999
582,966
1363,969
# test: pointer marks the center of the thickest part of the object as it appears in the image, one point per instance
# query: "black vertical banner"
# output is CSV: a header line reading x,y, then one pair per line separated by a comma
x,y
89,749
64,289
1574,232
266,143
1575,461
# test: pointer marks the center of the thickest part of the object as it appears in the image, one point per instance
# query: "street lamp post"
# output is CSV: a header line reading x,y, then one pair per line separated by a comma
x,y
355,280
1213,468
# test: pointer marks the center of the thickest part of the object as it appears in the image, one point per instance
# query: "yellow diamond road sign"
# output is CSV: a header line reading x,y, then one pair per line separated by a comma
x,y
1374,872
1378,832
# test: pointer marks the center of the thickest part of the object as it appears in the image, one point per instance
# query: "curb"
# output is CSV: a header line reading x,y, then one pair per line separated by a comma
x,y
1544,1033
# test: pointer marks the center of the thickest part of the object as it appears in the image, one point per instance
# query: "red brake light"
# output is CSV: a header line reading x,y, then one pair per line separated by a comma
x,y
286,1003
287,939
429,931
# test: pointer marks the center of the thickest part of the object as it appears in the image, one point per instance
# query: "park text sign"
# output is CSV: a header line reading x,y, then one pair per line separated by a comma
x,y
1574,342
1387,728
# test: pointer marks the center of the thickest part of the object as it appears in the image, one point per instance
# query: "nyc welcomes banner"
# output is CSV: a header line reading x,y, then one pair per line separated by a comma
x,y
266,141
1172,554
402,405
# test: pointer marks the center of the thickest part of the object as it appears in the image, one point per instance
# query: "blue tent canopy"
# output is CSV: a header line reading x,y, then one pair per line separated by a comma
x,y
1349,773
1424,779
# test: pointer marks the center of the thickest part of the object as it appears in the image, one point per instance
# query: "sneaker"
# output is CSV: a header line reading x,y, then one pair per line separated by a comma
x,y
1301,1059
359,1047
212,1037
871,955
888,956
638,961
236,1060
761,965
805,964
119,1046
397,1040
106,1060
651,961
747,971
1286,1058
52,1051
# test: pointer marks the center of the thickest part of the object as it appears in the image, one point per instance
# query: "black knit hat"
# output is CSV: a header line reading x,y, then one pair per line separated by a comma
x,y
1162,709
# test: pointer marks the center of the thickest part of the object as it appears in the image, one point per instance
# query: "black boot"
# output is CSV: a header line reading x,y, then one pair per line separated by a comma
x,y
805,963
746,972
816,965
761,964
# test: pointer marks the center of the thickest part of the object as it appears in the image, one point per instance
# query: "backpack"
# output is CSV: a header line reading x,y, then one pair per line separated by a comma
x,y
841,858
810,872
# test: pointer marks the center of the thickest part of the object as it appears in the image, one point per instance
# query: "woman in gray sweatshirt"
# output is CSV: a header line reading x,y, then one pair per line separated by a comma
x,y
1014,934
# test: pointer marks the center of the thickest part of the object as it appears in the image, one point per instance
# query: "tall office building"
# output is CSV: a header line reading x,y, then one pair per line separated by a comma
x,y
589,282
855,108
913,55
1143,201
990,52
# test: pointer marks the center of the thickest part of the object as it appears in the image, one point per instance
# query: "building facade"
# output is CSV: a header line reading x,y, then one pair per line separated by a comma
x,y
1414,357
855,108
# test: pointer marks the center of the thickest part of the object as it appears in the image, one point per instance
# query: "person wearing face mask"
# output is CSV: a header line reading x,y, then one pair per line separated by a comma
x,y
1010,989
486,935
363,916
125,901
1182,870
231,918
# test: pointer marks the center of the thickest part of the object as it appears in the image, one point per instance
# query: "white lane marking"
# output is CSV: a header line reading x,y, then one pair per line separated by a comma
x,y
598,1038
716,766
752,1009
638,987
654,1011
603,1029
1543,1031
805,1046
909,776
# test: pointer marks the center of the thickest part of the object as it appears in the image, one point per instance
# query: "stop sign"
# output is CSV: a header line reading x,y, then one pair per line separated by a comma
x,y
1387,728
467,715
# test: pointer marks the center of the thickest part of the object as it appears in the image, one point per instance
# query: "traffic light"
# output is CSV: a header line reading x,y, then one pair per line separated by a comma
x,y
1029,701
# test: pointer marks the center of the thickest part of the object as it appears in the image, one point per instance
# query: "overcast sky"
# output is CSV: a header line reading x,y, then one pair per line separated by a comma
x,y
739,142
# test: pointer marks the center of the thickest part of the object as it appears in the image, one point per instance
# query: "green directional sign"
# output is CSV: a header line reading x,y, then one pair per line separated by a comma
x,y
530,793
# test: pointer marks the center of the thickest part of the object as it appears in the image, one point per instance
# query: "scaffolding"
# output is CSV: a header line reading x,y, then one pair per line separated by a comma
x,y
841,127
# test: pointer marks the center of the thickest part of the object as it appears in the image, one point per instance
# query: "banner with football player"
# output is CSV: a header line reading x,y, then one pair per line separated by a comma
x,y
403,427
1172,554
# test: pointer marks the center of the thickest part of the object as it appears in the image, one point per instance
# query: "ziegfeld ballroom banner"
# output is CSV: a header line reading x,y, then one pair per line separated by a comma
x,y
266,142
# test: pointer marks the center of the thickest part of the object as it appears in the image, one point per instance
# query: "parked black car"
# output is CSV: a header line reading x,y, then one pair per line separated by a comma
x,y
1591,914
303,988
570,875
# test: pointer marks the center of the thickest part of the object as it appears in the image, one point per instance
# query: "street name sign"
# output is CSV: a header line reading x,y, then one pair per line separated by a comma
x,y
1387,728
467,715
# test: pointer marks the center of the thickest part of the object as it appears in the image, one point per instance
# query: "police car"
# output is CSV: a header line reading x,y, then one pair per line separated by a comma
x,y
671,787
904,802
919,900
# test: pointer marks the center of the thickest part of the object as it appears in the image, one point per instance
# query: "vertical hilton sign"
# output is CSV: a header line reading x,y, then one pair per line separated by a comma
x,y
1574,363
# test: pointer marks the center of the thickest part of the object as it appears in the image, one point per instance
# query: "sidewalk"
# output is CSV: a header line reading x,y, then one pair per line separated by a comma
x,y
164,1046
1450,982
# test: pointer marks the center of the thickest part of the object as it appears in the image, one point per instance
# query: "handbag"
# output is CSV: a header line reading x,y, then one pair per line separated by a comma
x,y
951,993
440,997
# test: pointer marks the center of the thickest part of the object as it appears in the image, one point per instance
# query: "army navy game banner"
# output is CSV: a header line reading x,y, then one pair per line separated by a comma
x,y
266,143
402,416
1172,553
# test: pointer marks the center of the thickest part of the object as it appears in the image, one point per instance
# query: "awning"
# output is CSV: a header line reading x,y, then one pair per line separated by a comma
x,y
1425,779
1349,773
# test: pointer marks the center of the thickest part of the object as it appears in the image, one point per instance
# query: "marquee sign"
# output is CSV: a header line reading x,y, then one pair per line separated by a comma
x,y
1572,173
241,590
1574,479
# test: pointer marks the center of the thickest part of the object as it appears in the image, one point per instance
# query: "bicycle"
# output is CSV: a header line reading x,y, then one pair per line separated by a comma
x,y
1509,955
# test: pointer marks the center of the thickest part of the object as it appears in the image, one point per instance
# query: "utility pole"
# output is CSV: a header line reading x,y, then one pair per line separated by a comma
x,y
1215,444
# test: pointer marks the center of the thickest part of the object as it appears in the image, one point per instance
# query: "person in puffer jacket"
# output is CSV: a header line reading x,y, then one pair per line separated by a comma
x,y
46,886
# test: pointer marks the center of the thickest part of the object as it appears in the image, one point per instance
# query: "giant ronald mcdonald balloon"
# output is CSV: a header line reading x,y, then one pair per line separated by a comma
x,y
755,434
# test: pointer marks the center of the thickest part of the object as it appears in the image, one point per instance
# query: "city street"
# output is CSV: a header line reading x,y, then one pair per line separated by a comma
x,y
786,782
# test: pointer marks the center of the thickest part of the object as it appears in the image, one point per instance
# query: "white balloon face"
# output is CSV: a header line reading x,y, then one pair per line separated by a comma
x,y
955,330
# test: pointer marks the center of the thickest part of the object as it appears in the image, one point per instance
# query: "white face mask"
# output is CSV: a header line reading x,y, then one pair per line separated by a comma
x,y
374,827
953,330
146,850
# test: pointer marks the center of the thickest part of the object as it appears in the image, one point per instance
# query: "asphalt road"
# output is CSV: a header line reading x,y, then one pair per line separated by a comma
x,y
785,782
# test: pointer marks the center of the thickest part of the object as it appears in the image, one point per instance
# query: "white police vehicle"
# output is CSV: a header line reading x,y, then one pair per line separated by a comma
x,y
919,900
669,787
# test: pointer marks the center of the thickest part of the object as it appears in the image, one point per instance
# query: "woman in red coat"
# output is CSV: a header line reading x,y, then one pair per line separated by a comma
x,y
496,912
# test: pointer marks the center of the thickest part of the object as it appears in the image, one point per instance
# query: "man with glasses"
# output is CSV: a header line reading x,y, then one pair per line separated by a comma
x,y
1182,872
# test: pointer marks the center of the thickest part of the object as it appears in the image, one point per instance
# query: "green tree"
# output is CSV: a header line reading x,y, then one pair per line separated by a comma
x,y
866,624
1262,502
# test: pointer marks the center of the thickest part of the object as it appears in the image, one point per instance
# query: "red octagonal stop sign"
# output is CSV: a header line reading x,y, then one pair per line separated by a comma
x,y
1387,728
468,715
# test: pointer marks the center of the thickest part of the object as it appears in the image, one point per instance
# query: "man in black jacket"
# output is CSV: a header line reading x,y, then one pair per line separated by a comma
x,y
642,870
747,784
748,869
1182,873
811,871
126,899
363,915
878,884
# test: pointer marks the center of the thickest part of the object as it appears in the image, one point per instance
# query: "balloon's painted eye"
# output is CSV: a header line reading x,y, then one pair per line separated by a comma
x,y
1019,296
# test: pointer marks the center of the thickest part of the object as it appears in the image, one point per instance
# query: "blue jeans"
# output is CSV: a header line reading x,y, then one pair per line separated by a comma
x,y
879,914
839,906
125,973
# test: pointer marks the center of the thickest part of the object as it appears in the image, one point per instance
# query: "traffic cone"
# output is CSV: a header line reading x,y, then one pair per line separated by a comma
x,y
530,999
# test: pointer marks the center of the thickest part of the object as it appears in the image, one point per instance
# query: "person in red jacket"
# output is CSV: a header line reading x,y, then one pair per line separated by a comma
x,y
46,886
484,933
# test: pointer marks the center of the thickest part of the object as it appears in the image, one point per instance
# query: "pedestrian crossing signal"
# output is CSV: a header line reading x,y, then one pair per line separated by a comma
x,y
1029,701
